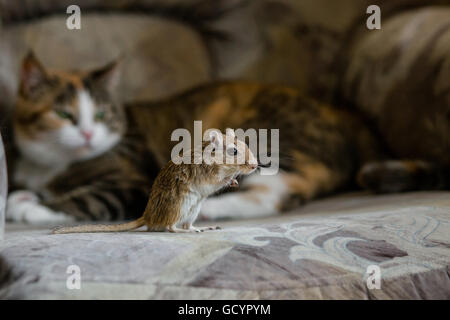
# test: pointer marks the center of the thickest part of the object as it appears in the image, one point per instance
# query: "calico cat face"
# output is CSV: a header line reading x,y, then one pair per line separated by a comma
x,y
62,118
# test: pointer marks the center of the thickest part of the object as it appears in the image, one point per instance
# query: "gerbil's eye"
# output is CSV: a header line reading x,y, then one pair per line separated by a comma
x,y
232,151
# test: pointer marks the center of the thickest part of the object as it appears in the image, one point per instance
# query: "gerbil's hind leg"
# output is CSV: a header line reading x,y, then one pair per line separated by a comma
x,y
174,229
177,230
187,224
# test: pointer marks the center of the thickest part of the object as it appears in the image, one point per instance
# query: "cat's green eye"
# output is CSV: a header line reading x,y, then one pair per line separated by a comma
x,y
100,115
63,114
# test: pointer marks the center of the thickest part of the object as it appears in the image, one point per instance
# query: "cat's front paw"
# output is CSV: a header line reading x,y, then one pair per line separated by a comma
x,y
23,206
21,196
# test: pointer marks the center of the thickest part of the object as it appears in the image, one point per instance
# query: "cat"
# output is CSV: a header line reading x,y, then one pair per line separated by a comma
x,y
66,126
323,149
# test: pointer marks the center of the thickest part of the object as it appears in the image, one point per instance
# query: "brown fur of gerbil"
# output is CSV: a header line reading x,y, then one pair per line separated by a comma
x,y
171,187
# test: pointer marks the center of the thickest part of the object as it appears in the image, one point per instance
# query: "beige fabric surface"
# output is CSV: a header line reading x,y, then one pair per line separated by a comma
x,y
320,251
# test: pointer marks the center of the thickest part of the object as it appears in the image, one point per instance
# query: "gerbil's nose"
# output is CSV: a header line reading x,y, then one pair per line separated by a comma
x,y
87,134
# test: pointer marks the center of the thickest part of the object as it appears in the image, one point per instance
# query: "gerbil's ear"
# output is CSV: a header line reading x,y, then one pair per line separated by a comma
x,y
216,138
32,74
107,76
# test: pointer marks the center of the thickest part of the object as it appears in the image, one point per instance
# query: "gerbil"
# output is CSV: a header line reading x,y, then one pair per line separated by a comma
x,y
179,189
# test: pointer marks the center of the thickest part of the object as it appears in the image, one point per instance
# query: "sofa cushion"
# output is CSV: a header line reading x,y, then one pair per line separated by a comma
x,y
314,252
400,77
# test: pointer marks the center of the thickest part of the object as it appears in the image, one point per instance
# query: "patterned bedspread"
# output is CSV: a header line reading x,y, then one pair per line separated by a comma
x,y
335,248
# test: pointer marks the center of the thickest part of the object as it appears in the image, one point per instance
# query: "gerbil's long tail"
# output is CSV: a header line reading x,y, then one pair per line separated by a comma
x,y
101,227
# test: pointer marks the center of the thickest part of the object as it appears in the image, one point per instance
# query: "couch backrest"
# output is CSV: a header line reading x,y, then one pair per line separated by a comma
x,y
172,45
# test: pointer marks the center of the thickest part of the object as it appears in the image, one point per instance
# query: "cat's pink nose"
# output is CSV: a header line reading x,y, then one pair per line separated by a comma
x,y
87,134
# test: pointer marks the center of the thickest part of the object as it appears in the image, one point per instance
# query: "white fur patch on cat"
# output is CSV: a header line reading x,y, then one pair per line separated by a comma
x,y
86,108
262,202
23,206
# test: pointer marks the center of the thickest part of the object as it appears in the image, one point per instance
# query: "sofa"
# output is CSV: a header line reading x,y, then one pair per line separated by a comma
x,y
354,245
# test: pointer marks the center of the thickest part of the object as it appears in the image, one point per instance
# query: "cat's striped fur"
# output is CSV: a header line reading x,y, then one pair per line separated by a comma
x,y
321,148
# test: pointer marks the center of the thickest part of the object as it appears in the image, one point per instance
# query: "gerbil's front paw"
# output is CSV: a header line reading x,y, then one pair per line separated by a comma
x,y
234,183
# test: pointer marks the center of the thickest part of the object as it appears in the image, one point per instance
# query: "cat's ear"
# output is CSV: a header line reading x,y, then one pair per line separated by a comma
x,y
32,74
107,76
